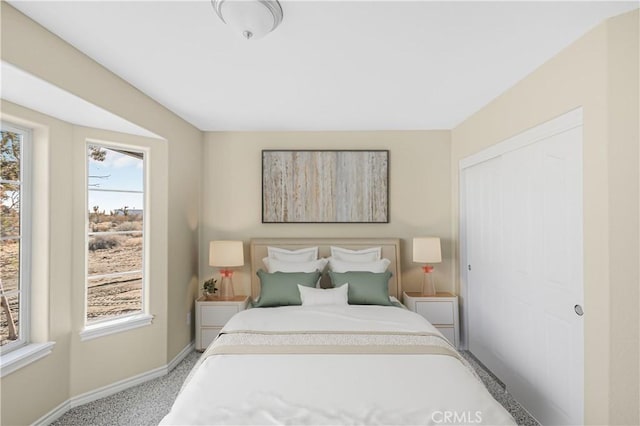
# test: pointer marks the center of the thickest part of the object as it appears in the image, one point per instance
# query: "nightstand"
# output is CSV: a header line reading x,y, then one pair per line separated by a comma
x,y
212,315
440,310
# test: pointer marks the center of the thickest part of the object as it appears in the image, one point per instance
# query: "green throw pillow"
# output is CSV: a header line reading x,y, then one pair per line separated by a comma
x,y
281,288
365,288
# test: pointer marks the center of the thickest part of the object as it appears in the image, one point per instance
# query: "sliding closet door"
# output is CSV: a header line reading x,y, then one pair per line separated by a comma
x,y
485,254
523,213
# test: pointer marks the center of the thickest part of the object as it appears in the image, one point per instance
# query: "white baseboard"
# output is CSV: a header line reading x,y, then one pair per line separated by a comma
x,y
181,355
54,414
116,387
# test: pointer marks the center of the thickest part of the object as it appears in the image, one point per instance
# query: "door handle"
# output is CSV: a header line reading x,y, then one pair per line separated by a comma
x,y
578,310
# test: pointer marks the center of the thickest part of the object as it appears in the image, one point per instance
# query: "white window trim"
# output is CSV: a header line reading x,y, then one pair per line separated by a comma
x,y
18,358
115,325
26,194
120,323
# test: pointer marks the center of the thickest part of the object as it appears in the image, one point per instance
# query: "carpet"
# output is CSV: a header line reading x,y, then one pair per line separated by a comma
x,y
148,403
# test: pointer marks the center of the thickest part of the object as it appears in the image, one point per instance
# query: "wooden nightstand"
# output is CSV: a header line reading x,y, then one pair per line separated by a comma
x,y
440,310
212,315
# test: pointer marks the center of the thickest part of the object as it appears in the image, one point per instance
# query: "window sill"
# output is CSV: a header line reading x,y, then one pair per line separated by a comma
x,y
24,356
116,325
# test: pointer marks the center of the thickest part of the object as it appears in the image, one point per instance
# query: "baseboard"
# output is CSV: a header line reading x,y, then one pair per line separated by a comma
x,y
181,356
54,414
116,387
113,388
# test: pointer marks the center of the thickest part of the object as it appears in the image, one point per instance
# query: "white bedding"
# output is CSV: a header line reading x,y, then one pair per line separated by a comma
x,y
323,388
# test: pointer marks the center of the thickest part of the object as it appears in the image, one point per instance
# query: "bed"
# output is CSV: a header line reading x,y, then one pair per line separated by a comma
x,y
332,363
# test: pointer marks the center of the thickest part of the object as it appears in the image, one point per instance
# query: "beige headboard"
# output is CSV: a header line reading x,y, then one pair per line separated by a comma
x,y
390,250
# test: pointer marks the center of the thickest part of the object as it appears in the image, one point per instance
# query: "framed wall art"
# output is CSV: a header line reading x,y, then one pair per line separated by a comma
x,y
322,186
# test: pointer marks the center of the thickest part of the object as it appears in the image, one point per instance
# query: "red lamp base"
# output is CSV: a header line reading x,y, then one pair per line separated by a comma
x,y
226,287
428,282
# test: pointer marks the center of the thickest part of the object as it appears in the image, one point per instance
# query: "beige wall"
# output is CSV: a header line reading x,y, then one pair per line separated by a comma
x,y
419,193
76,367
32,391
60,270
122,355
624,277
598,72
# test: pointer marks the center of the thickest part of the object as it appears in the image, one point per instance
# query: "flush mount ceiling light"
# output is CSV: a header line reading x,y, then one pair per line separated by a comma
x,y
252,18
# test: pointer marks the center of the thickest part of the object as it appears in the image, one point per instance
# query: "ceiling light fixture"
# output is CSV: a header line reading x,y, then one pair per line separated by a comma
x,y
253,18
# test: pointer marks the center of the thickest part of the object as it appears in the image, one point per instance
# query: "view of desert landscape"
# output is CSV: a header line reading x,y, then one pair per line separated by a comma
x,y
9,283
115,247
118,250
114,234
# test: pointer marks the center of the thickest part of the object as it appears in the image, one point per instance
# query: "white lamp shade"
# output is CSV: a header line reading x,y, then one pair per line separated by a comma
x,y
226,253
427,250
252,18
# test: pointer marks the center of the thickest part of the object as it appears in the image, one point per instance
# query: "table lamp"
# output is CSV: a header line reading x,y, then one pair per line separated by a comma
x,y
427,250
224,255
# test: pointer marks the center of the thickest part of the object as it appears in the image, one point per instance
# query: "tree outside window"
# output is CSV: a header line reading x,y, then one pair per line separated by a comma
x,y
13,244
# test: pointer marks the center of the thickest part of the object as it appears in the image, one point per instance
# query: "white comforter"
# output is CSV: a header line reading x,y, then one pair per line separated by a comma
x,y
332,389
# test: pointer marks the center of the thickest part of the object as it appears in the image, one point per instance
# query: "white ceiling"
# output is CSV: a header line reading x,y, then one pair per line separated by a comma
x,y
331,65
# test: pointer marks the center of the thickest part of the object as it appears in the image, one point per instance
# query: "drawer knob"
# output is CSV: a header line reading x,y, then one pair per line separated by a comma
x,y
578,310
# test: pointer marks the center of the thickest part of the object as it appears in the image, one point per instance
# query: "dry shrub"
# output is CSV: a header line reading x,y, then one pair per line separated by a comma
x,y
133,242
129,226
120,218
101,227
104,242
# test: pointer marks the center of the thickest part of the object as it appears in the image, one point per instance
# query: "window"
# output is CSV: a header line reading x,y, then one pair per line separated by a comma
x,y
115,233
14,237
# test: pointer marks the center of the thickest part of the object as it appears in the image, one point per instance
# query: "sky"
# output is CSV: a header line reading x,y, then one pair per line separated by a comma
x,y
118,172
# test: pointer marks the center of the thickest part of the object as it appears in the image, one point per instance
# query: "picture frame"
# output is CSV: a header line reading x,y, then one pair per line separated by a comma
x,y
325,186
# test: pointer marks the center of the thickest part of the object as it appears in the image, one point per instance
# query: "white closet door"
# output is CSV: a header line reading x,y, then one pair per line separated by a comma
x,y
485,251
523,212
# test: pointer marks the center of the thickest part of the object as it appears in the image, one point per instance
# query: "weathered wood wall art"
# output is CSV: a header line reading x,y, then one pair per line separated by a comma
x,y
320,186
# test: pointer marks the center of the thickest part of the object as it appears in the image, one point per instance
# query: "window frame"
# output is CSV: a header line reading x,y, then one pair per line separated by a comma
x,y
119,323
25,237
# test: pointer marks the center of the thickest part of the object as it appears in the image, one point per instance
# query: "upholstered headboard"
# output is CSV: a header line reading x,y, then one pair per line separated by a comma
x,y
390,250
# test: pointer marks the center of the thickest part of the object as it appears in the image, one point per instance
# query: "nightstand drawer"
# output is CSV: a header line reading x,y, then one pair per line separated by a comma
x,y
207,335
449,333
436,312
212,315
440,310
216,316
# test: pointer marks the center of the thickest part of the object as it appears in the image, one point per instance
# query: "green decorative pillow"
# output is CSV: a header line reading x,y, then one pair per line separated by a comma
x,y
281,288
365,288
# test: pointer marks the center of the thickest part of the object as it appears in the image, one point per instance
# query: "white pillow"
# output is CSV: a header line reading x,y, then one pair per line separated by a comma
x,y
302,255
330,296
365,255
341,266
275,265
